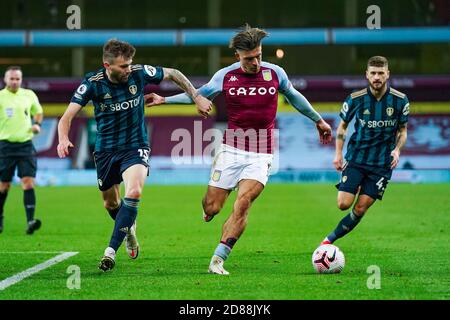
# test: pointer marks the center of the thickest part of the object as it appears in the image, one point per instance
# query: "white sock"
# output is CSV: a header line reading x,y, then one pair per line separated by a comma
x,y
110,252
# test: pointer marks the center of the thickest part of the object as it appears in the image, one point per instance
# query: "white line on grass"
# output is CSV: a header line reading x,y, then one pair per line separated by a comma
x,y
27,252
25,274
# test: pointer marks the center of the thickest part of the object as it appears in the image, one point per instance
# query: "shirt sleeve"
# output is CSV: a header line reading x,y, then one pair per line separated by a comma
x,y
284,83
152,75
299,102
348,110
209,90
405,112
83,93
36,107
295,98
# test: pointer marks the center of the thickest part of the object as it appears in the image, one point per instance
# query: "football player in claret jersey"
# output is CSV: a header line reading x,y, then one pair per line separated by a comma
x,y
373,151
243,161
122,147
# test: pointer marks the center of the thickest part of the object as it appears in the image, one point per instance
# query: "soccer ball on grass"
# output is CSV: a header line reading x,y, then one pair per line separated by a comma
x,y
328,258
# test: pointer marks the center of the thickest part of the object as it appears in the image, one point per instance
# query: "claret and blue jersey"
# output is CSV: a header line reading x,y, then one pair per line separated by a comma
x,y
251,102
118,107
376,125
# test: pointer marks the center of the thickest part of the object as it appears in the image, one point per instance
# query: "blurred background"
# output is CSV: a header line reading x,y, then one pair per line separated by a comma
x,y
323,46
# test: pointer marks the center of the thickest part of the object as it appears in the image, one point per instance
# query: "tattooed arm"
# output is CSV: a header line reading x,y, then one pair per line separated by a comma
x,y
203,105
181,80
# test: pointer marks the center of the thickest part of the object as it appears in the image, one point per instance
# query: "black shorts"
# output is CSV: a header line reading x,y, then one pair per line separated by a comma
x,y
111,165
373,180
17,155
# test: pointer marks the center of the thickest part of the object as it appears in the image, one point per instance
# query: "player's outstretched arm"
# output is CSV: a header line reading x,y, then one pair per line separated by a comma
x,y
64,128
402,135
304,107
153,99
204,106
340,140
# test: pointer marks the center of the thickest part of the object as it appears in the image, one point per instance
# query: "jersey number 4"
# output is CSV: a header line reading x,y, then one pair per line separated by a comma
x,y
380,184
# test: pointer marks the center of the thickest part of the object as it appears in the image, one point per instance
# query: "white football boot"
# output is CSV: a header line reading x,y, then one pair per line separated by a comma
x,y
131,242
216,266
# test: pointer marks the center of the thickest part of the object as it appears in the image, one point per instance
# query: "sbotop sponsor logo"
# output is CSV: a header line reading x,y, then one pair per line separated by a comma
x,y
202,147
381,123
129,104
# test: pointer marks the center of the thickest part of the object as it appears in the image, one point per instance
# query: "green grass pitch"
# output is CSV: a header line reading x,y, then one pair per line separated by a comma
x,y
406,235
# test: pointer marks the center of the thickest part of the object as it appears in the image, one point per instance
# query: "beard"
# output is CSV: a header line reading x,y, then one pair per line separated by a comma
x,y
121,78
377,86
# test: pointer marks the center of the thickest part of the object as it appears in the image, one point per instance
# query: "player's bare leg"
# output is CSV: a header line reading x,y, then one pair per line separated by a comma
x,y
29,199
349,222
111,200
363,204
213,202
345,200
236,223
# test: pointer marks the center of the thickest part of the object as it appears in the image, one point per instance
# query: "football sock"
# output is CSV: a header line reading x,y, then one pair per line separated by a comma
x,y
346,225
223,250
3,196
110,252
113,212
29,201
124,220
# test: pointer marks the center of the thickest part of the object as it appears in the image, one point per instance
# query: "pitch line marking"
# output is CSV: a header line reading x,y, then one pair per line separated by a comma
x,y
37,268
26,252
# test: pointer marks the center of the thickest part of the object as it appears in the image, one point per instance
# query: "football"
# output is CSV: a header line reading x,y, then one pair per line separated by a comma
x,y
328,258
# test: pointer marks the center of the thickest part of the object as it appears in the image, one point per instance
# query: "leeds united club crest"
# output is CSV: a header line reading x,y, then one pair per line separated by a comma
x,y
389,111
133,89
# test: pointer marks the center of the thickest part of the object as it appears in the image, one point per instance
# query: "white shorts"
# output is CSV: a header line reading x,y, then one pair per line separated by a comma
x,y
232,165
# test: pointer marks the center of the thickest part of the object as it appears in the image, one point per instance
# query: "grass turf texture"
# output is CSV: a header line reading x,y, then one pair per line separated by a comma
x,y
406,236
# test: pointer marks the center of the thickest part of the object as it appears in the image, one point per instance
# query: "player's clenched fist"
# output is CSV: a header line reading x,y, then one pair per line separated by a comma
x,y
204,106
324,130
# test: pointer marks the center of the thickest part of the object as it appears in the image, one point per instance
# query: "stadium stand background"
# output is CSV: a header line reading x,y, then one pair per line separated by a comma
x,y
325,44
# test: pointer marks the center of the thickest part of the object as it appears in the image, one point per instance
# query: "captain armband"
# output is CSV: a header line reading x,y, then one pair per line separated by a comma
x,y
340,136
